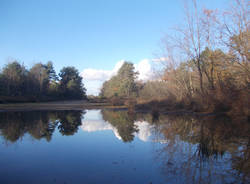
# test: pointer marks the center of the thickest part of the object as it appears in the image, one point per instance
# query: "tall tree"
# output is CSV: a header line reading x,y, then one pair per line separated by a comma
x,y
71,84
39,73
14,75
51,71
123,84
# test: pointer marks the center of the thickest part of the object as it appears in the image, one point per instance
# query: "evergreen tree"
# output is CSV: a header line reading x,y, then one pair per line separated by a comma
x,y
123,84
71,85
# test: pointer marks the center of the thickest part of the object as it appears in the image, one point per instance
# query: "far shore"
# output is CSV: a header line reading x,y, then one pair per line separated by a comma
x,y
83,105
55,105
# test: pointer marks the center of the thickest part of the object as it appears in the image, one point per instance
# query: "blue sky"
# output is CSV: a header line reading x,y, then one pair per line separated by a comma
x,y
86,34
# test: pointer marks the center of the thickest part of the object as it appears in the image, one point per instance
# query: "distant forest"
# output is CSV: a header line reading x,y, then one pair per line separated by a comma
x,y
39,83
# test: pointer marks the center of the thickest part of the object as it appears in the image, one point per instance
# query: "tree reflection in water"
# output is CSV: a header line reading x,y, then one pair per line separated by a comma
x,y
194,149
69,121
210,149
39,124
123,121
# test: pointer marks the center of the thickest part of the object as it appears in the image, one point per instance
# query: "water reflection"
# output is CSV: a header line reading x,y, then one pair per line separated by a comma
x,y
123,124
205,149
93,122
123,121
38,124
211,149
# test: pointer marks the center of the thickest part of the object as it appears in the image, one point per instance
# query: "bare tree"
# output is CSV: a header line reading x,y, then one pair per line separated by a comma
x,y
235,34
192,38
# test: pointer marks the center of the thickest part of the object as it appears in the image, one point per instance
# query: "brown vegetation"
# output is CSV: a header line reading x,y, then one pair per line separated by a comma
x,y
207,64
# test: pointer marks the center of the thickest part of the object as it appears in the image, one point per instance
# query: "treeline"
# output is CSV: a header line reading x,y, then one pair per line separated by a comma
x,y
39,83
206,67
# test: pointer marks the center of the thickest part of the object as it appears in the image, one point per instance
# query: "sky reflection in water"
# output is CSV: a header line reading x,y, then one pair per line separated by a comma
x,y
103,146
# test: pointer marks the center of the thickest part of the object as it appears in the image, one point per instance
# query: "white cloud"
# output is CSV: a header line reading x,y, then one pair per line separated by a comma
x,y
161,59
144,68
93,74
94,78
101,75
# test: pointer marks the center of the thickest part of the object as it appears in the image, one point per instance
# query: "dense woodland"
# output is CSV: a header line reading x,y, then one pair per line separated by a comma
x,y
39,83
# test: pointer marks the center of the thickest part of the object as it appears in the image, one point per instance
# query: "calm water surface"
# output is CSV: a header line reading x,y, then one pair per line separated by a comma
x,y
104,146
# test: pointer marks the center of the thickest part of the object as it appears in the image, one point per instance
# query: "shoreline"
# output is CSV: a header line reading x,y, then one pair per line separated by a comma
x,y
83,105
55,105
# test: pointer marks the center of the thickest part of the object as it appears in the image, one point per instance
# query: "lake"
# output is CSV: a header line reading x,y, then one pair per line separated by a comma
x,y
112,146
